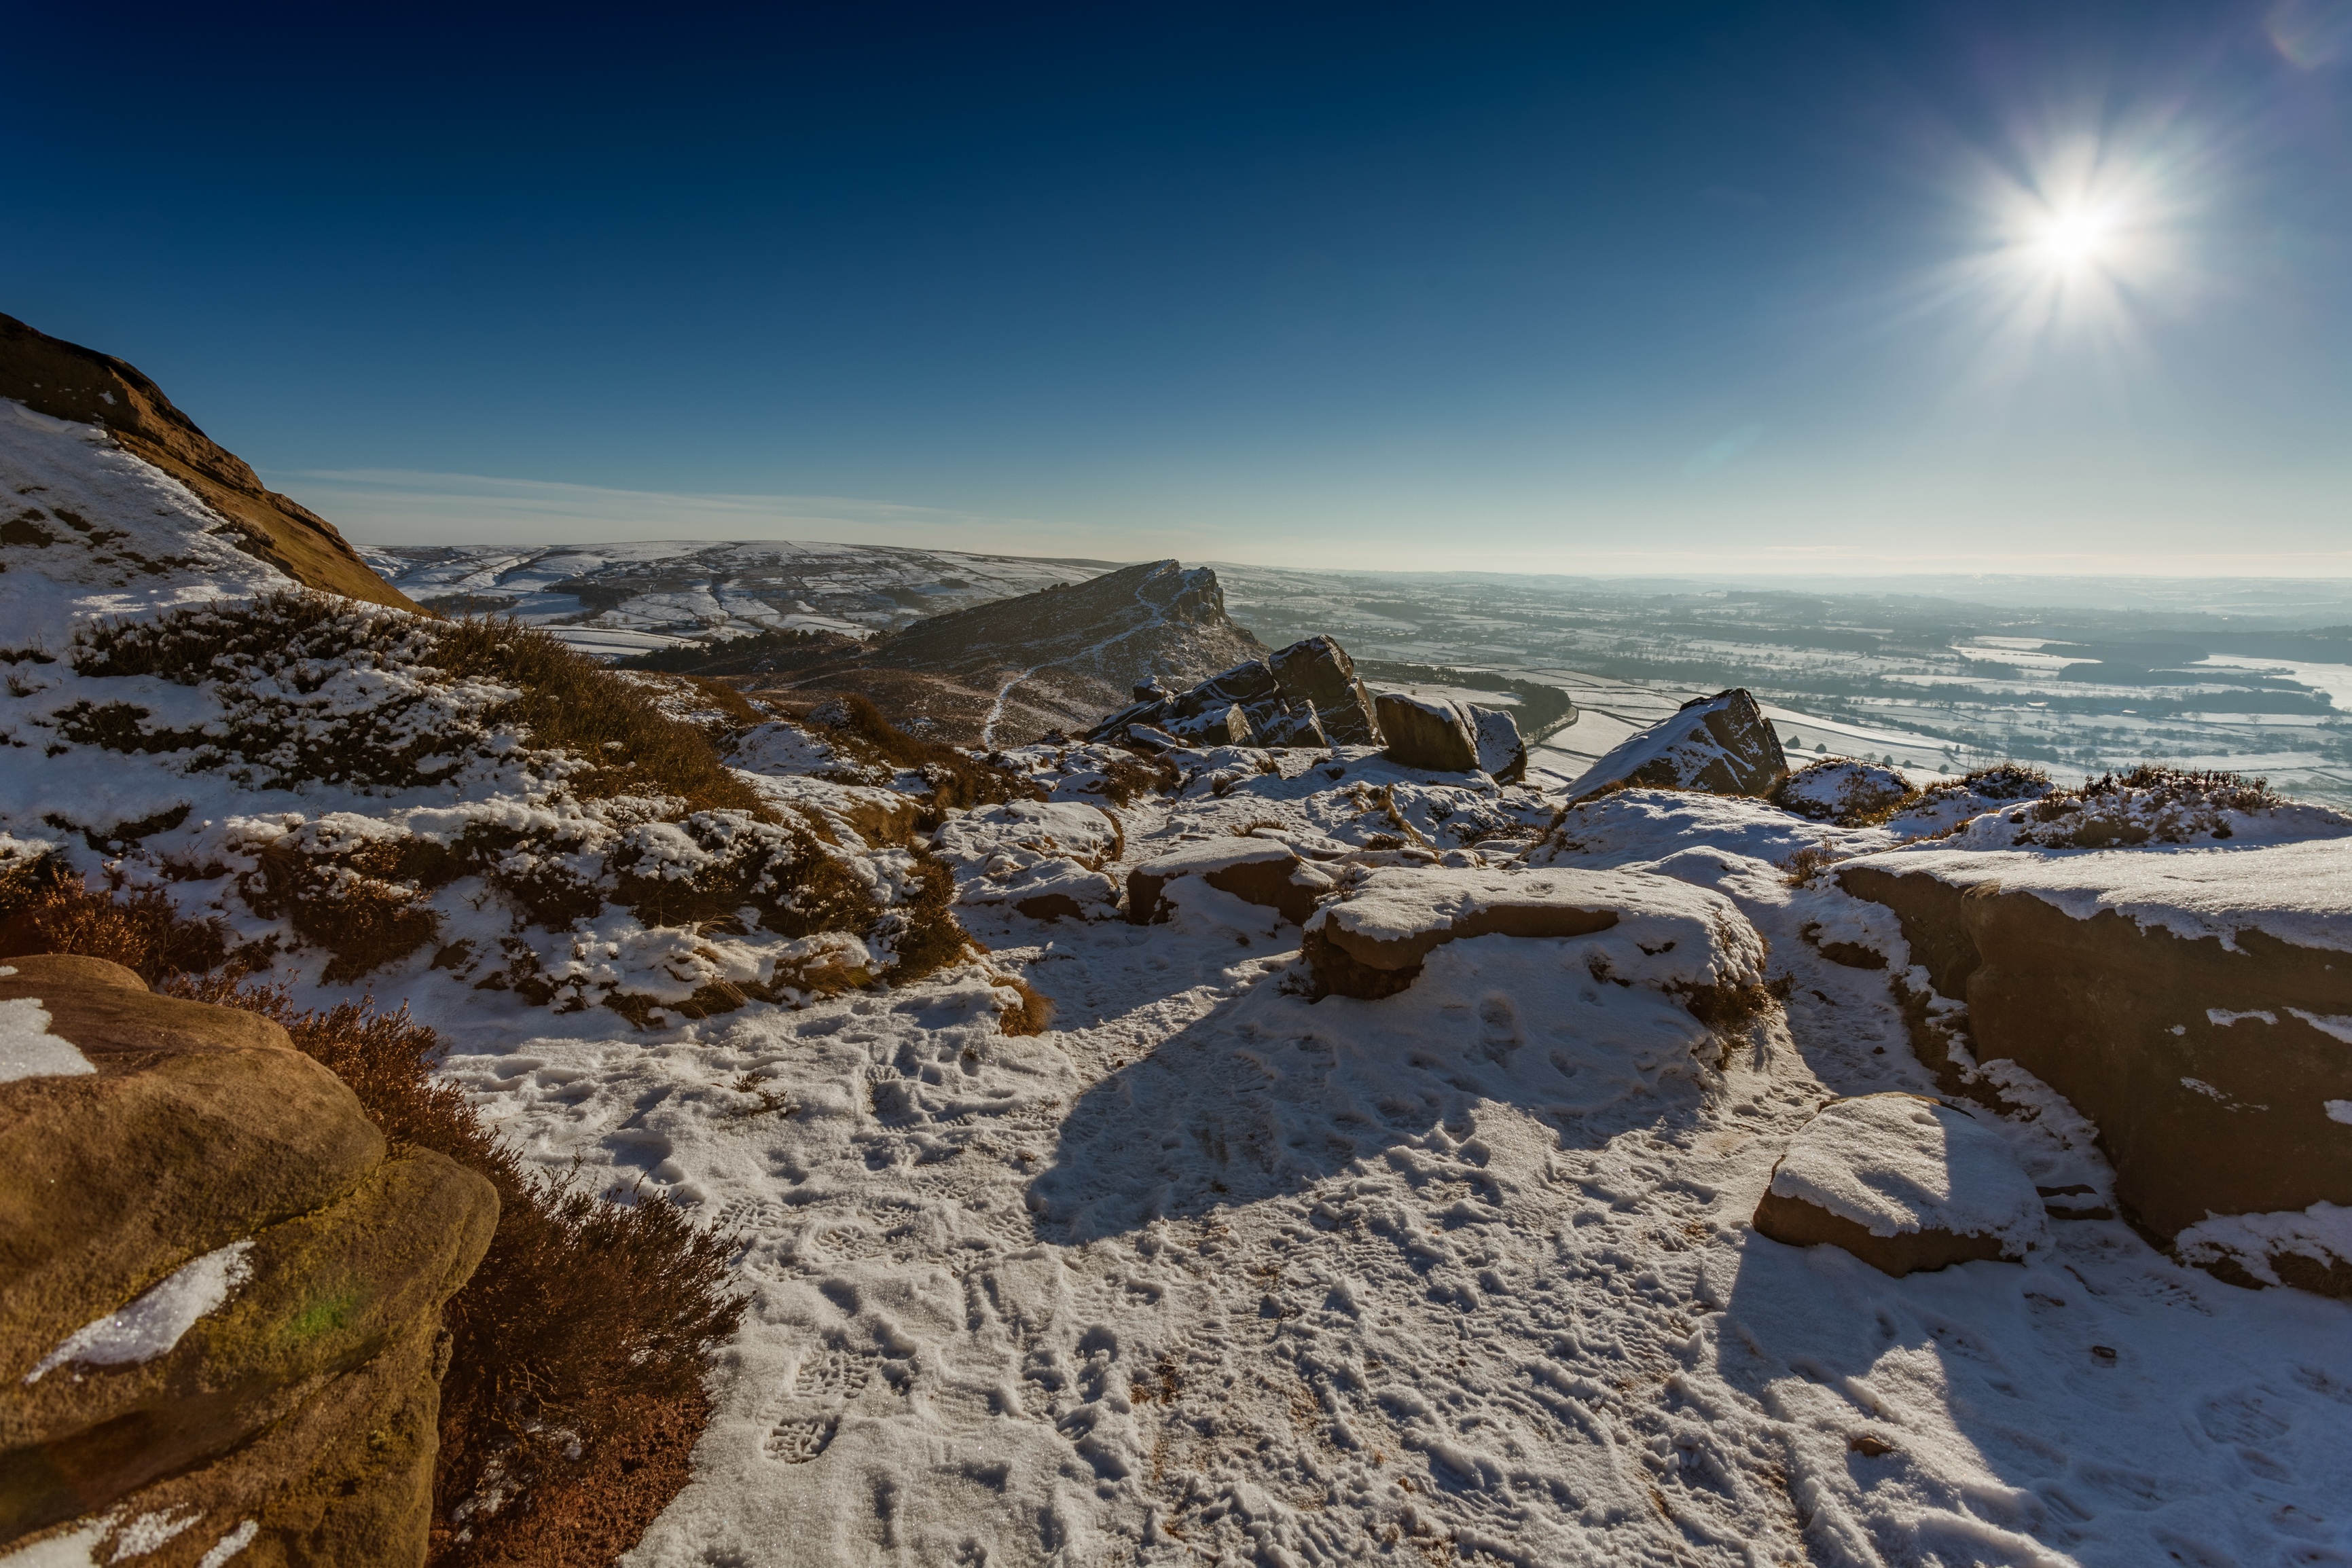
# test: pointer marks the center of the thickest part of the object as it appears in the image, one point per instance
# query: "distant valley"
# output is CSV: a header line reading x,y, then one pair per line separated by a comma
x,y
2200,678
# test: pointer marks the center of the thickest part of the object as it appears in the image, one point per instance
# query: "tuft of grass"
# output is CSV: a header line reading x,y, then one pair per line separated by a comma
x,y
1029,1011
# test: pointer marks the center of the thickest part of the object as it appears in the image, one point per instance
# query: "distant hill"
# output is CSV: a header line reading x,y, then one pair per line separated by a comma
x,y
67,382
1005,672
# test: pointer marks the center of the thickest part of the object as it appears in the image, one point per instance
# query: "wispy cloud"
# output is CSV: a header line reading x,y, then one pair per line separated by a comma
x,y
391,506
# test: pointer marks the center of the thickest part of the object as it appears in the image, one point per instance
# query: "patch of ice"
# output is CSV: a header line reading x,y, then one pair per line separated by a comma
x,y
28,1048
2336,1026
150,1530
229,1545
2223,1020
2322,1232
152,1324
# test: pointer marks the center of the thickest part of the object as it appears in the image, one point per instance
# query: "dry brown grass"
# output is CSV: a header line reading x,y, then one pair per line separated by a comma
x,y
573,704
1808,863
1030,1010
590,1318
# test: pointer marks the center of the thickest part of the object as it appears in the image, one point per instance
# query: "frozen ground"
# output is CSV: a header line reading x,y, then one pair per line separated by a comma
x,y
1213,1273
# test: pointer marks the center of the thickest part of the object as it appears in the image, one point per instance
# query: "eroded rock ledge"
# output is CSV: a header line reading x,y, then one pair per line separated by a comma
x,y
2195,1005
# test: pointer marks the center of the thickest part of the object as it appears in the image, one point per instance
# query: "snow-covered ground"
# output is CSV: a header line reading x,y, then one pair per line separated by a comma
x,y
1211,1270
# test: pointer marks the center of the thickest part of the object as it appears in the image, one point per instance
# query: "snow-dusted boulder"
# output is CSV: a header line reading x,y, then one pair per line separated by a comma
x,y
1307,695
1373,941
2196,1004
1256,870
1502,754
1722,745
1904,1184
1844,791
1434,733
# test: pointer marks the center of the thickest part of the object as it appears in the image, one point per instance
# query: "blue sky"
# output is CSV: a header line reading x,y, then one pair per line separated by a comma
x,y
2037,286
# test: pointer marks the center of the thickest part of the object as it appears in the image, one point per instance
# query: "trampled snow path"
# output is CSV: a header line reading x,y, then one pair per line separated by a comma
x,y
1212,1274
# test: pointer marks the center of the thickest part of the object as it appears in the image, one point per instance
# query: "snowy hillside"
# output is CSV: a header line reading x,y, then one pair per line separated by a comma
x,y
1416,1231
626,598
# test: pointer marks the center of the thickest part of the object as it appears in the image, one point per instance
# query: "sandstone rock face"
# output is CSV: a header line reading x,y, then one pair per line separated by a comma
x,y
1904,1184
1307,695
1722,745
66,380
2195,1005
1255,871
1427,732
1501,753
1373,940
223,1296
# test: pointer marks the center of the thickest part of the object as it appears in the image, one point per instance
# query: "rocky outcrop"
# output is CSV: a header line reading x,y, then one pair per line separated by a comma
x,y
1317,672
225,1294
2195,1005
1373,941
1044,859
66,380
1306,695
1427,732
1721,745
1904,1184
1262,871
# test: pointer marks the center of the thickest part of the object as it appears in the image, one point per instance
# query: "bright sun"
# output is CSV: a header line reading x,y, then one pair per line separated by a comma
x,y
2077,237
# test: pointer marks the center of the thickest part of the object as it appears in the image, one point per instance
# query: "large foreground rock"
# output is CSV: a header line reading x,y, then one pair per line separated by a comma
x,y
2195,1004
223,1297
1373,941
1904,1184
1722,745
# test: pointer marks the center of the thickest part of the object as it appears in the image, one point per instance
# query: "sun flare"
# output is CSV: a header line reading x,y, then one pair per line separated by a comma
x,y
2078,237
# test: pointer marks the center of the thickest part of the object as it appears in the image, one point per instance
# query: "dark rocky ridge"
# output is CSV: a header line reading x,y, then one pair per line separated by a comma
x,y
1006,672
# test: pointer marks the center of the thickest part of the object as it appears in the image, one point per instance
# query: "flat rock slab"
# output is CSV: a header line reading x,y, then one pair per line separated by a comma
x,y
1373,941
1903,1183
1255,871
